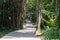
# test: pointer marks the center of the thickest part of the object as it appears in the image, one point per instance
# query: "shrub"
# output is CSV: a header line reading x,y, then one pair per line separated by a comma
x,y
52,33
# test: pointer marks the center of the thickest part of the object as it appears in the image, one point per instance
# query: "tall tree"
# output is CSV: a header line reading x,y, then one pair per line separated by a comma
x,y
58,1
39,18
22,13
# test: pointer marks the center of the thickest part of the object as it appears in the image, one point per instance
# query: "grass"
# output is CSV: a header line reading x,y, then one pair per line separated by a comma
x,y
42,30
3,33
51,33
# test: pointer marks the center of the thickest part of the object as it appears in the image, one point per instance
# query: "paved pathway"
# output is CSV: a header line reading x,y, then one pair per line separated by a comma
x,y
25,34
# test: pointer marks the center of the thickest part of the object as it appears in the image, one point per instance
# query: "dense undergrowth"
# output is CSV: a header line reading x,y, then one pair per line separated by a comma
x,y
5,30
52,33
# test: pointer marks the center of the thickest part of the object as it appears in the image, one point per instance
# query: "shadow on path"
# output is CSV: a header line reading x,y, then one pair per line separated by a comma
x,y
25,34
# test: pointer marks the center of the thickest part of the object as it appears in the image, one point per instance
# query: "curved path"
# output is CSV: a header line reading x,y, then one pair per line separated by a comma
x,y
25,34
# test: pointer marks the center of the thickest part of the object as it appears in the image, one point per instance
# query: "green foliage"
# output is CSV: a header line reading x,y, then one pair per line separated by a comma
x,y
49,18
32,8
5,30
52,33
3,1
33,18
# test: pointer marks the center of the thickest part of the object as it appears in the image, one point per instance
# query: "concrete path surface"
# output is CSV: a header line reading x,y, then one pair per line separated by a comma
x,y
24,34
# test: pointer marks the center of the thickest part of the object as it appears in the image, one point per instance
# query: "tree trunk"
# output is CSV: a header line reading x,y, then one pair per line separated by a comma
x,y
59,15
21,14
39,18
